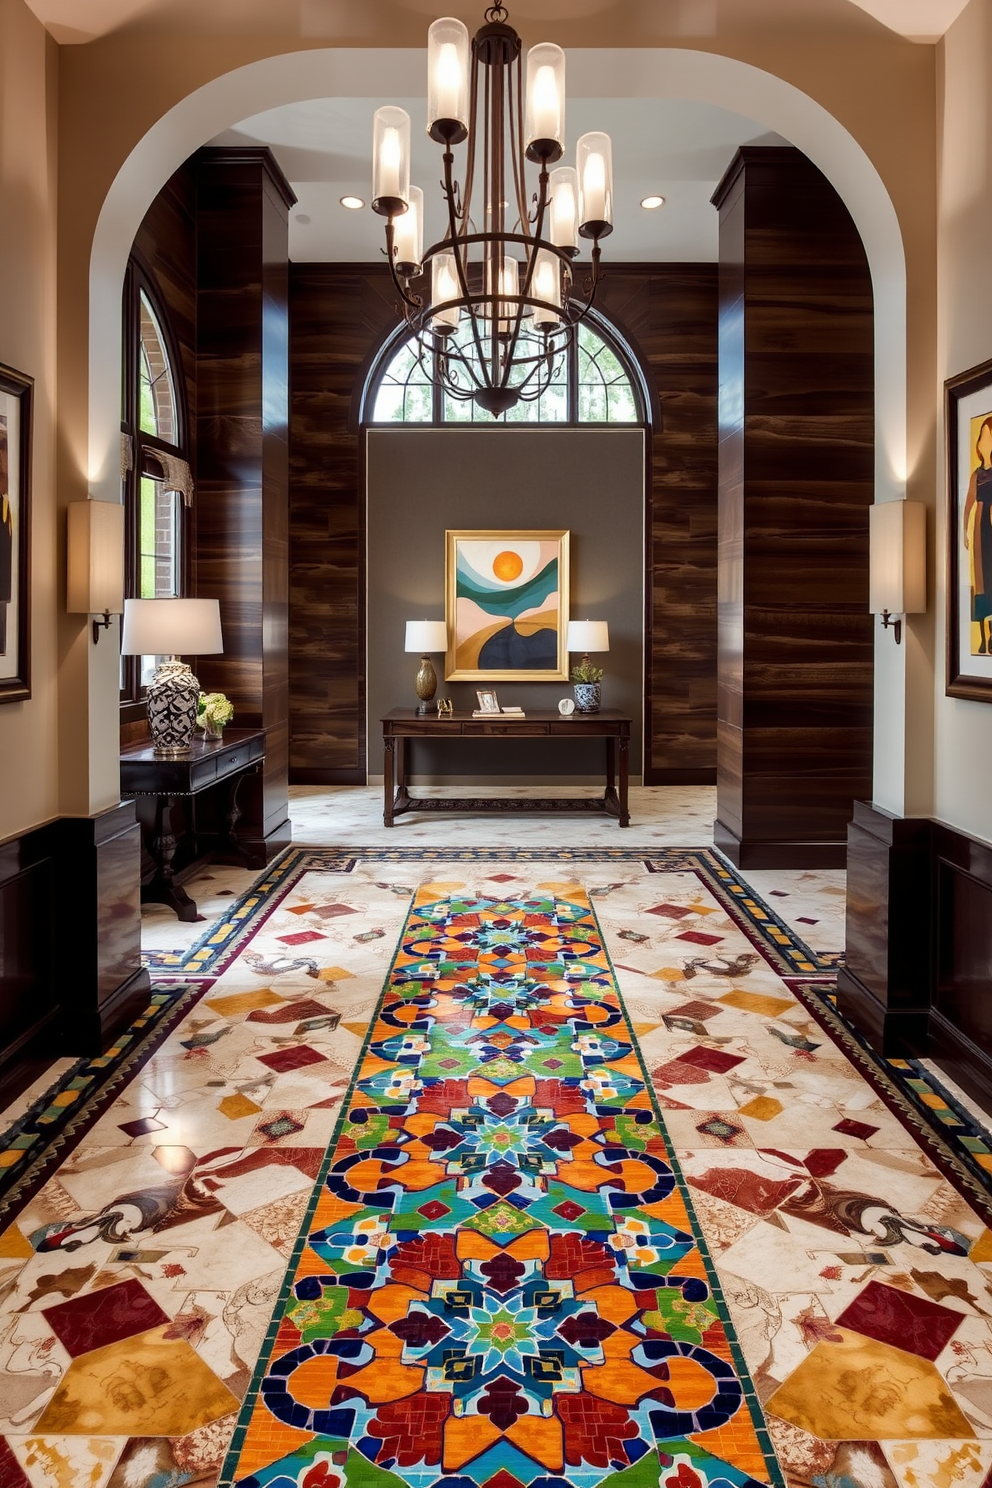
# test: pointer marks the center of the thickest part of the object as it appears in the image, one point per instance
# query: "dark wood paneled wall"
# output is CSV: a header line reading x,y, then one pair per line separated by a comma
x,y
917,976
243,448
165,246
339,316
796,466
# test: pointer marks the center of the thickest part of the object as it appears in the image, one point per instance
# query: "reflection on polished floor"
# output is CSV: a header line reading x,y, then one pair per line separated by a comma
x,y
139,1279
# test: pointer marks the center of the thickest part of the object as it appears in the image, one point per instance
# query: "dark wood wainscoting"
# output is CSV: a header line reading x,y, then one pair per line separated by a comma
x,y
918,973
70,941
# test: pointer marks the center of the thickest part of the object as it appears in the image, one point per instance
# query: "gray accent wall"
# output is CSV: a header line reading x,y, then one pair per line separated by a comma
x,y
420,482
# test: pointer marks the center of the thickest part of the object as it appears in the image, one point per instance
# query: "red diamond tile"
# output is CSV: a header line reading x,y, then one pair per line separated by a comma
x,y
434,1209
698,937
568,1210
141,1127
697,1009
284,1060
805,920
902,1320
855,1128
710,1059
670,911
502,877
289,1012
301,937
331,911
823,1162
106,1316
677,1072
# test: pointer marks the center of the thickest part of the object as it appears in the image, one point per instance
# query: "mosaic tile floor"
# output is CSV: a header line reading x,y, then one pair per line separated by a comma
x,y
137,1284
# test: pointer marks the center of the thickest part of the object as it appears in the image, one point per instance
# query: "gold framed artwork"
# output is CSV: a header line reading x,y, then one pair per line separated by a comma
x,y
15,534
968,415
506,605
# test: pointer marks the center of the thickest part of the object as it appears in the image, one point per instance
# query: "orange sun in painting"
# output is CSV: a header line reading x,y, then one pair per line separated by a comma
x,y
508,566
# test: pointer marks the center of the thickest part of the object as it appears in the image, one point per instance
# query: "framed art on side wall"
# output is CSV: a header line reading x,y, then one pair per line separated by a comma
x,y
15,533
506,606
969,534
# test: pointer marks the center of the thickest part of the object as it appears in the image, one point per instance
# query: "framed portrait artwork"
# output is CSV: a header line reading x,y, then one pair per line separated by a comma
x,y
506,606
969,534
15,533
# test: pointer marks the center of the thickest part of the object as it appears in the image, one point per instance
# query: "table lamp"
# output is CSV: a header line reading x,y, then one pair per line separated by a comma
x,y
170,627
586,636
425,636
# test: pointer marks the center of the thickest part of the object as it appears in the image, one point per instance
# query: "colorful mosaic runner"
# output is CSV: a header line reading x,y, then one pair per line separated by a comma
x,y
500,1282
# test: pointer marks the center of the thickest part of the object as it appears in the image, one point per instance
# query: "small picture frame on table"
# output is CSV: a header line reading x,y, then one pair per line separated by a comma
x,y
488,701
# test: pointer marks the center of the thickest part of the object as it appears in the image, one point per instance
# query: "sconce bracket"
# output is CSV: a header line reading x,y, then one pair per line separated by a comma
x,y
99,625
895,624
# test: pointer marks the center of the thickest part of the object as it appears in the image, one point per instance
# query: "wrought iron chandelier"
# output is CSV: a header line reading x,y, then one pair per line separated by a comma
x,y
499,306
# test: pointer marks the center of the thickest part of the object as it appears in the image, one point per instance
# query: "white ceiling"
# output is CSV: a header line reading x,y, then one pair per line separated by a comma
x,y
76,21
677,149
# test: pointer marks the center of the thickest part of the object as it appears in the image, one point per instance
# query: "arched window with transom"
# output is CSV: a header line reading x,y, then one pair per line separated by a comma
x,y
597,381
155,468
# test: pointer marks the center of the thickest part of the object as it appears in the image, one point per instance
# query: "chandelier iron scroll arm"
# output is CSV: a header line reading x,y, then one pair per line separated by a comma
x,y
414,302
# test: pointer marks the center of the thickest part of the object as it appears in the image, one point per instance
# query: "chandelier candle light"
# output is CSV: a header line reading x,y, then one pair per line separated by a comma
x,y
495,307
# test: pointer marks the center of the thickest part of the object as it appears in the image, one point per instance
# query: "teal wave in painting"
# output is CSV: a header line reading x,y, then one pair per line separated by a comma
x,y
510,602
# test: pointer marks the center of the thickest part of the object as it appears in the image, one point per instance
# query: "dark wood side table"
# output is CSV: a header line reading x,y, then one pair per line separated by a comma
x,y
403,725
164,792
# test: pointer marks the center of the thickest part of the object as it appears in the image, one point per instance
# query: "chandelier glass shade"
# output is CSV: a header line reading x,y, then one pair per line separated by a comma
x,y
493,306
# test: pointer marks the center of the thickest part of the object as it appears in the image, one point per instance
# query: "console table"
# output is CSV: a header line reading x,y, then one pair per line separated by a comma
x,y
164,792
403,725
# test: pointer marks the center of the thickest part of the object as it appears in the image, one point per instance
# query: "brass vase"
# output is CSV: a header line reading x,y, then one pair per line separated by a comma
x,y
426,683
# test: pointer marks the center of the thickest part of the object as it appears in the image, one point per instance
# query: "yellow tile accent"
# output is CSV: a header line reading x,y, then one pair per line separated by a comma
x,y
892,1395
762,1108
236,1106
757,1002
243,1002
361,1029
983,1160
11,1156
66,1098
668,974
334,974
980,1251
13,1246
936,1102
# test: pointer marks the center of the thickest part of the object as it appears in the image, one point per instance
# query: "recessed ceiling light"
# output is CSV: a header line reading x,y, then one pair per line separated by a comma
x,y
649,203
303,219
353,203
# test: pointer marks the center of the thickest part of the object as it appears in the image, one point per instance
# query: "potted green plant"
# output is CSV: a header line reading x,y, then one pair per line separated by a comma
x,y
213,712
586,680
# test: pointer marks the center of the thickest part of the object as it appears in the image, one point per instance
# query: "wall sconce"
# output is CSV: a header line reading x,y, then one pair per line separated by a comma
x,y
897,578
96,561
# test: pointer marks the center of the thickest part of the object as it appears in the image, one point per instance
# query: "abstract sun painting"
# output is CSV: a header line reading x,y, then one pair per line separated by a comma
x,y
507,593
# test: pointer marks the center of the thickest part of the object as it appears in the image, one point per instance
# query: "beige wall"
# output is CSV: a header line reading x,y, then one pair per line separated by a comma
x,y
963,729
28,100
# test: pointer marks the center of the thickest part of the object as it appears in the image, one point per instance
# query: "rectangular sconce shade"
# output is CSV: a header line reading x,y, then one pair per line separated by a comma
x,y
897,580
588,635
424,636
172,627
96,558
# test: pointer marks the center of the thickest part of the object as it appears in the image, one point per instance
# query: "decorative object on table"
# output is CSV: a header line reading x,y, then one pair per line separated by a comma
x,y
897,565
968,415
586,636
425,636
445,708
496,309
506,596
488,701
566,707
16,392
95,561
168,628
214,712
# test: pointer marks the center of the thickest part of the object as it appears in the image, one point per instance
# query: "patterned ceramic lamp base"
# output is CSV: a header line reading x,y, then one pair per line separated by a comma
x,y
173,695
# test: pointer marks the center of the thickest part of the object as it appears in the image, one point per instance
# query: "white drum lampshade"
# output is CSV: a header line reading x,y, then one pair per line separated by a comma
x,y
172,627
95,561
588,635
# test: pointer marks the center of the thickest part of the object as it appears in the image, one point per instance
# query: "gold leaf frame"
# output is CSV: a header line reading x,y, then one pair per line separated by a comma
x,y
453,538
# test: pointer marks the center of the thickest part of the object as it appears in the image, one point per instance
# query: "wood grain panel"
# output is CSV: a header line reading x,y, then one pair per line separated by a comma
x,y
242,526
796,482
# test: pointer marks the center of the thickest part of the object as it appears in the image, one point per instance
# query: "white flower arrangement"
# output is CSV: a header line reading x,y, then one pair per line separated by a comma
x,y
214,710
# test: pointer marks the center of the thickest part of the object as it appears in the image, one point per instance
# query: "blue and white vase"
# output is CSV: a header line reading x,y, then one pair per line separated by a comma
x,y
587,695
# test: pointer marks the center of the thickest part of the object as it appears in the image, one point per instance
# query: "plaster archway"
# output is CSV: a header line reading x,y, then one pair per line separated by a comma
x,y
701,77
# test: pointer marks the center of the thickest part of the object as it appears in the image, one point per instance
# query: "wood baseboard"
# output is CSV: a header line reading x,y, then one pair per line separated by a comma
x,y
747,853
898,1033
967,1064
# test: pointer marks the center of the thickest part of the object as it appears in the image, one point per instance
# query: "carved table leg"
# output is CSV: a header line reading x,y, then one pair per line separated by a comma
x,y
610,801
170,827
402,802
624,773
388,779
